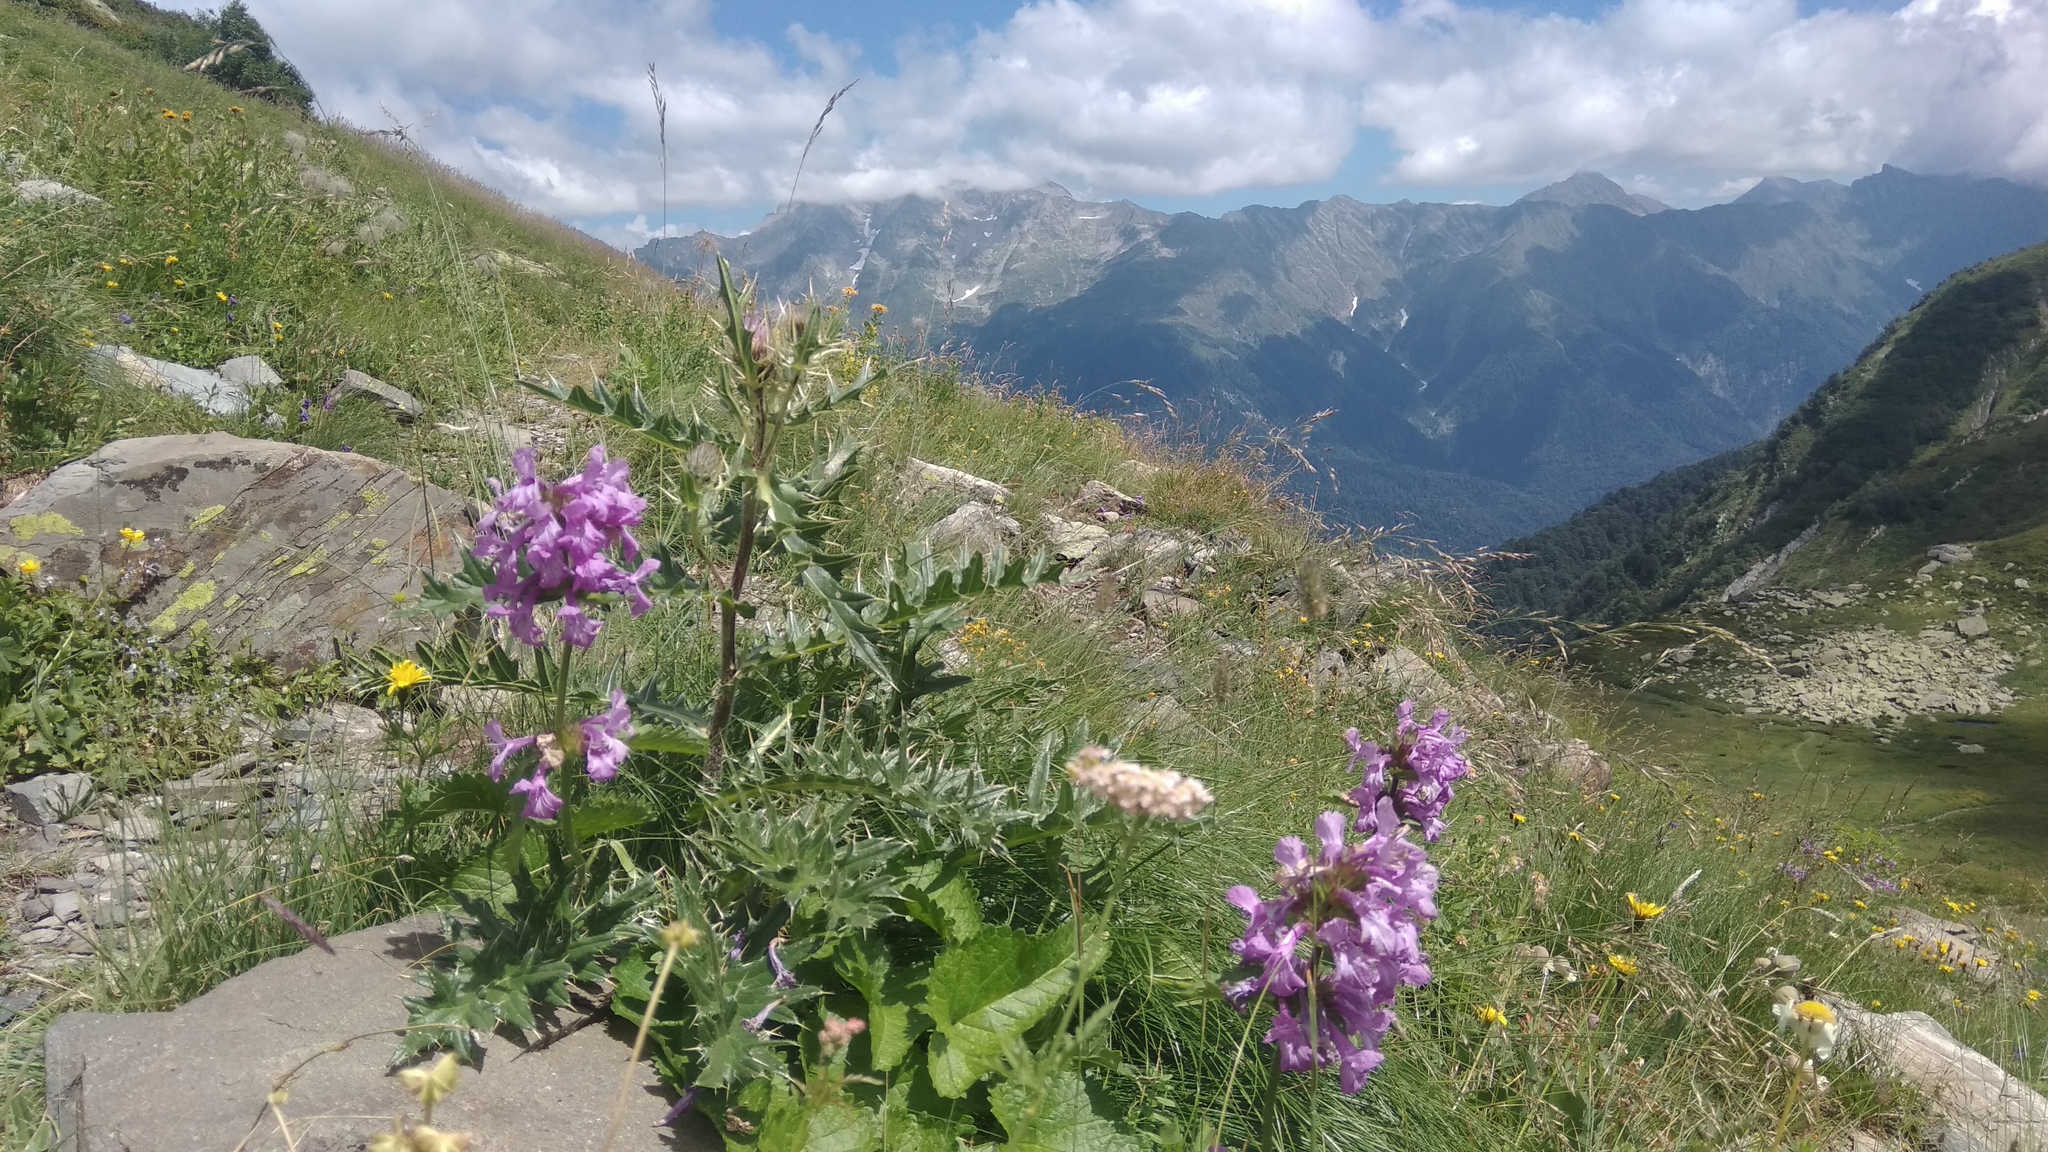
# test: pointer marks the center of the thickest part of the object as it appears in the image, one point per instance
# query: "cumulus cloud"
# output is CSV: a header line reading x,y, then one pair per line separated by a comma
x,y
547,99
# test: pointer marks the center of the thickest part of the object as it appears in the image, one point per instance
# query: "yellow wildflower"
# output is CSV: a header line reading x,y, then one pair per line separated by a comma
x,y
1488,1014
1621,964
2033,995
1643,909
235,108
170,260
1518,818
113,283
879,309
221,296
28,565
403,675
133,538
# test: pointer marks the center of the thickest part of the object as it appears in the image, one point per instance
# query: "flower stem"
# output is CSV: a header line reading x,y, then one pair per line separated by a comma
x,y
1269,1124
1785,1117
668,961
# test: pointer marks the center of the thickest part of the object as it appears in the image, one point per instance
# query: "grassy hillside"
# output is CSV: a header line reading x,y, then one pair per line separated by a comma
x,y
1656,1038
1929,438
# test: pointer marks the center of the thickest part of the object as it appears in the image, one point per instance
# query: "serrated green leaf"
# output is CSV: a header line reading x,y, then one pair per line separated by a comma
x,y
470,792
989,991
1062,1117
894,1023
606,814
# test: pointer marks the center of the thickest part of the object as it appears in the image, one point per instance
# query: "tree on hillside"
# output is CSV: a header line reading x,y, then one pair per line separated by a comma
x,y
231,48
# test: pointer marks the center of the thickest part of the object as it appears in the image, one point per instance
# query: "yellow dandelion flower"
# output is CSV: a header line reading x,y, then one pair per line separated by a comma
x,y
1573,835
178,283
2033,995
388,296
1643,909
235,108
106,267
1621,964
1518,818
169,115
113,283
1947,969
403,675
133,537
221,296
1488,1014
879,309
28,565
170,260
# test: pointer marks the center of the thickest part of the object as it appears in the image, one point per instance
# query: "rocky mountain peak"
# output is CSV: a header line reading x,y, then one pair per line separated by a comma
x,y
1785,190
1586,188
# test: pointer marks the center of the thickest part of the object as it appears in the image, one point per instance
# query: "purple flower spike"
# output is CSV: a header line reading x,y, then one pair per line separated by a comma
x,y
552,542
506,747
1419,767
541,804
1345,932
604,740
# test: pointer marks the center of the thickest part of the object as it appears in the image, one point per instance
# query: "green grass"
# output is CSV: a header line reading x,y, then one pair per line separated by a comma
x,y
1676,1055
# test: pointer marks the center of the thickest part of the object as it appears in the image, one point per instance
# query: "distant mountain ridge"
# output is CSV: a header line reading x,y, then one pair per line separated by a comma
x,y
1492,369
1936,435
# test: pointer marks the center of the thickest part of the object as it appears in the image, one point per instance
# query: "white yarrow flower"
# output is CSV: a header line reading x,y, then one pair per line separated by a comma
x,y
1155,793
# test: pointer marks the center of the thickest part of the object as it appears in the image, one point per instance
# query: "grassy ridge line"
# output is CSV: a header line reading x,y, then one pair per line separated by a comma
x,y
1917,443
1563,1072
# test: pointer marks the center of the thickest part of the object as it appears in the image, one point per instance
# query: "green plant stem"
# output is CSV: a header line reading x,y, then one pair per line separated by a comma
x,y
1269,1120
668,962
728,626
1785,1116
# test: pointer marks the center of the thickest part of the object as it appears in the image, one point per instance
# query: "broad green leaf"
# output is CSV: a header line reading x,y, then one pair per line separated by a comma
x,y
843,1126
952,909
906,1129
894,1024
469,792
1064,1118
991,990
603,815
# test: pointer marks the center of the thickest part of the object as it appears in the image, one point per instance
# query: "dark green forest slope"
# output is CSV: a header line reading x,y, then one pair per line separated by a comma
x,y
1933,436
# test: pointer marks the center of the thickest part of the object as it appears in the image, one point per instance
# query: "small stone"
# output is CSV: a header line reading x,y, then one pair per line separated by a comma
x,y
34,909
52,192
1095,496
1074,540
1161,606
400,402
2020,582
64,905
351,725
252,374
1951,554
43,936
1970,749
1972,626
115,913
55,884
976,525
921,479
51,798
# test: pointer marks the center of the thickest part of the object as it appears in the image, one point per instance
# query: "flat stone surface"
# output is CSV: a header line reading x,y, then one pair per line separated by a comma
x,y
252,374
398,400
50,798
1983,1108
278,546
921,479
974,524
209,390
195,1079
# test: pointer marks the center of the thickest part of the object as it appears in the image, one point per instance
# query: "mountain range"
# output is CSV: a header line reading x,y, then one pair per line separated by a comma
x,y
1935,436
1486,371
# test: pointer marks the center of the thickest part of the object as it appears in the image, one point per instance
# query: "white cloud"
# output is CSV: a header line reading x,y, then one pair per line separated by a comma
x,y
547,99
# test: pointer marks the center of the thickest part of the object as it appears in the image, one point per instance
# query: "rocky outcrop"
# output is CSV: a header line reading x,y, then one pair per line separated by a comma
x,y
921,479
199,1077
279,547
1869,675
1982,1107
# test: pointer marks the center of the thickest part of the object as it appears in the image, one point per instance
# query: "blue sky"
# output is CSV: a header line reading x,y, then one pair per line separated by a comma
x,y
1202,105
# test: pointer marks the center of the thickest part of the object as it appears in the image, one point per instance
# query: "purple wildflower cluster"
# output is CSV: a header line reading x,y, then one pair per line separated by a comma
x,y
1345,932
551,541
1420,766
602,736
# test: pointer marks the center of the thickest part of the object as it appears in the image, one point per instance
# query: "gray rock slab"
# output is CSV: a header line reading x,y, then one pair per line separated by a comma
x,y
921,479
1951,553
976,525
37,191
209,390
1972,626
281,547
1073,540
51,798
1983,1108
400,402
1096,496
252,374
195,1079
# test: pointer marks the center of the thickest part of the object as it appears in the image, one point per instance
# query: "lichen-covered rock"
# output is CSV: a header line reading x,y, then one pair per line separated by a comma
x,y
921,479
210,390
397,401
279,547
976,525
